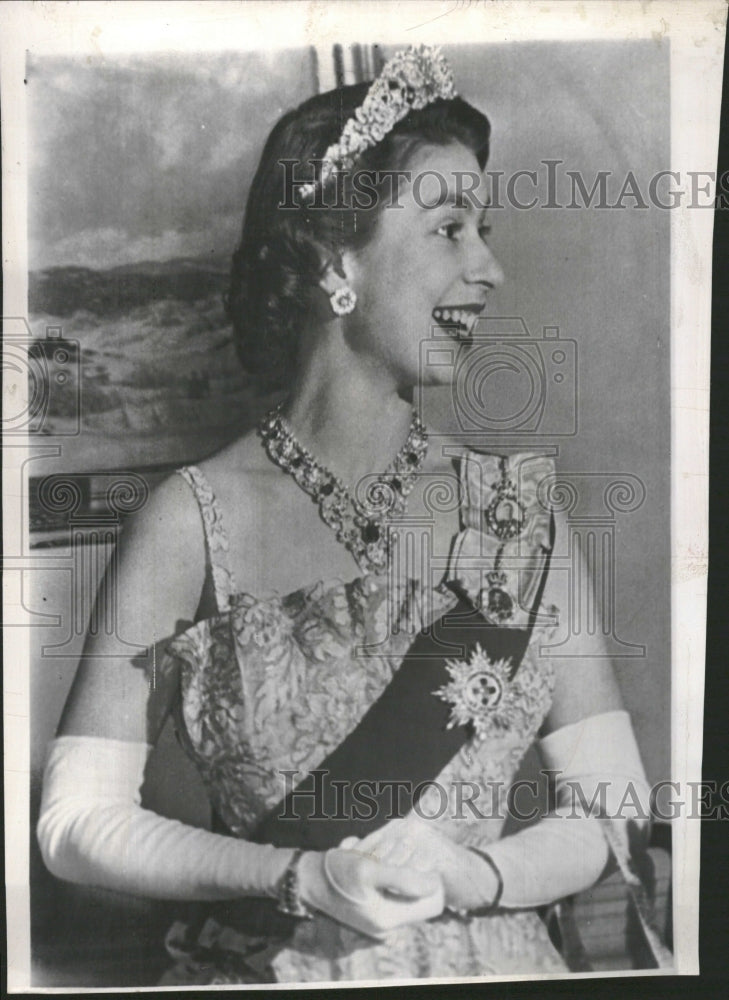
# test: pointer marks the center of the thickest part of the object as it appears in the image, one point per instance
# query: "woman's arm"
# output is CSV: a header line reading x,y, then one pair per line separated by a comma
x,y
585,682
587,743
92,828
155,591
589,748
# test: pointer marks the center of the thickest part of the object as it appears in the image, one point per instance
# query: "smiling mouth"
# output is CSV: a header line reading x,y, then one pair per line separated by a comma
x,y
458,321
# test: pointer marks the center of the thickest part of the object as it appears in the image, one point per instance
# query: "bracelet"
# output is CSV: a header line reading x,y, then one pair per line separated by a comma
x,y
485,910
287,892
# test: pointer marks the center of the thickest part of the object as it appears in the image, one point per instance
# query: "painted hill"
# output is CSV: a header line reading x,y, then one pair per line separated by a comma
x,y
155,371
63,291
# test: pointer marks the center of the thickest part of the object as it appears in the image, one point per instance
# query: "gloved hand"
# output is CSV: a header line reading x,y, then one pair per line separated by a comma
x,y
598,769
469,883
357,890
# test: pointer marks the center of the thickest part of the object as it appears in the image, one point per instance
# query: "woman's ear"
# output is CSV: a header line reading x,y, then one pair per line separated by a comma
x,y
334,274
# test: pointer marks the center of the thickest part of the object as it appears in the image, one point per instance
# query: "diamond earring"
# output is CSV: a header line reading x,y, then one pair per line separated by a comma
x,y
343,301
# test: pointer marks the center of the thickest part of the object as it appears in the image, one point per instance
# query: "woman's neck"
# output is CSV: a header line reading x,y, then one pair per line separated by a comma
x,y
351,419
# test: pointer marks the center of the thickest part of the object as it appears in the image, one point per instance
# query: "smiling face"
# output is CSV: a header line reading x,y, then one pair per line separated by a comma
x,y
428,265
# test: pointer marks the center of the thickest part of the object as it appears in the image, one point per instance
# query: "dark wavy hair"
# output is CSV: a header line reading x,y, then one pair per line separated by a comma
x,y
283,252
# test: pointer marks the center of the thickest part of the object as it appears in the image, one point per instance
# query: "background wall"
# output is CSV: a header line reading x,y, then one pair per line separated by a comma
x,y
602,277
145,160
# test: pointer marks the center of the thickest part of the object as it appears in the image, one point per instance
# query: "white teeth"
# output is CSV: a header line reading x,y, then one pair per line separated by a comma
x,y
463,321
462,317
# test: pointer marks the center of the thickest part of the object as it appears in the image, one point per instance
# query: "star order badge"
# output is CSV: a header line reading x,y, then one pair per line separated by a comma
x,y
480,693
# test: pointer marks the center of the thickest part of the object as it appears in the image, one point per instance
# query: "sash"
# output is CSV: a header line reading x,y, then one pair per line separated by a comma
x,y
401,744
404,740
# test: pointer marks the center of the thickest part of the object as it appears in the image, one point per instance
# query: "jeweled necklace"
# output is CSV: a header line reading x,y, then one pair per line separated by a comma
x,y
360,524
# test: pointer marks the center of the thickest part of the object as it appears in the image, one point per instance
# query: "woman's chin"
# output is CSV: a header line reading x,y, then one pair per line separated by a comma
x,y
433,376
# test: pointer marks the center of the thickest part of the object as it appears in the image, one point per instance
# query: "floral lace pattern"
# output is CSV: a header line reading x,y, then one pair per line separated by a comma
x,y
276,684
216,540
259,681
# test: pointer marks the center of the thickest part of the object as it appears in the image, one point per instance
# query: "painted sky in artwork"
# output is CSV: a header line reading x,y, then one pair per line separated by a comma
x,y
149,158
139,169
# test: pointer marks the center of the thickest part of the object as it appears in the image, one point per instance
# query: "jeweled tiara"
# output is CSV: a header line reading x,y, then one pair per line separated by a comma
x,y
413,78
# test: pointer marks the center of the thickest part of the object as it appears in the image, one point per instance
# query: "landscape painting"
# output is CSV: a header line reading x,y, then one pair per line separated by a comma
x,y
151,351
139,174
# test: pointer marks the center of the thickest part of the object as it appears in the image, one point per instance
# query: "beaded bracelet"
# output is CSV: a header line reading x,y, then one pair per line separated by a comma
x,y
287,893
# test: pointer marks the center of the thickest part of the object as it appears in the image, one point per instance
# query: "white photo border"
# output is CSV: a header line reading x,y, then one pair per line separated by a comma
x,y
696,33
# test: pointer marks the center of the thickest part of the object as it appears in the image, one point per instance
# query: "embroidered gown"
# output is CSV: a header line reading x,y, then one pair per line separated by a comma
x,y
275,684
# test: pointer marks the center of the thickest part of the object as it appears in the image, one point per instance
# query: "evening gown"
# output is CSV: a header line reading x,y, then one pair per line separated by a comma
x,y
275,683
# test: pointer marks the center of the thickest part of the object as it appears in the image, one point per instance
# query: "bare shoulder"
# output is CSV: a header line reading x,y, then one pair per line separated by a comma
x,y
155,589
161,553
170,516
239,474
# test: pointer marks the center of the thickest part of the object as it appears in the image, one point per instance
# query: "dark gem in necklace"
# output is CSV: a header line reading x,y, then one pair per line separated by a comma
x,y
361,525
370,532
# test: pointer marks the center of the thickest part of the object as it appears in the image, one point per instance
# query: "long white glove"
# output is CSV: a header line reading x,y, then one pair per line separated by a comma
x,y
92,830
596,758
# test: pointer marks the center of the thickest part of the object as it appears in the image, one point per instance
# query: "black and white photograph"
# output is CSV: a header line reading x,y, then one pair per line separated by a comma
x,y
355,365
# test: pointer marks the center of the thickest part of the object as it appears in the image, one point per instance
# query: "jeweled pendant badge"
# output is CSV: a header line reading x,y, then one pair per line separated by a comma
x,y
505,516
480,693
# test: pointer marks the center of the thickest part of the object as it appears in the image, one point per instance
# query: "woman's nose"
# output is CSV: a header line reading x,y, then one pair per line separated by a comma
x,y
483,266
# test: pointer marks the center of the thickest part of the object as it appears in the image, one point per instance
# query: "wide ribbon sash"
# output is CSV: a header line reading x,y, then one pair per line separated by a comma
x,y
404,740
401,744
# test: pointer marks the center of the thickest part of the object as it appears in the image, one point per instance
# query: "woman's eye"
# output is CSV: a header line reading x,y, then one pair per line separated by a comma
x,y
449,230
484,232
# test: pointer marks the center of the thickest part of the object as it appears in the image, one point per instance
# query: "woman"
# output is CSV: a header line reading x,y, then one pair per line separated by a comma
x,y
357,683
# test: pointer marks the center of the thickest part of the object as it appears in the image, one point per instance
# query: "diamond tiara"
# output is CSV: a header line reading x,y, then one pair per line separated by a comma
x,y
413,78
